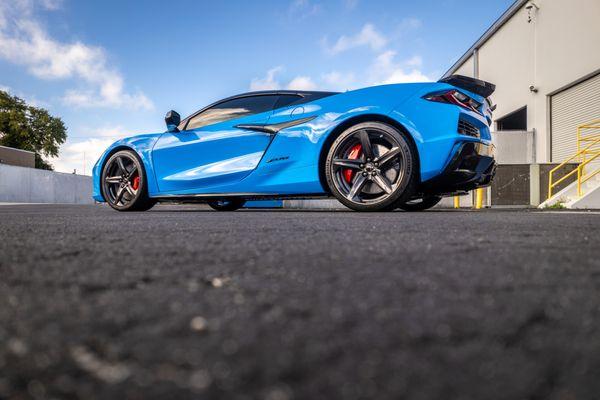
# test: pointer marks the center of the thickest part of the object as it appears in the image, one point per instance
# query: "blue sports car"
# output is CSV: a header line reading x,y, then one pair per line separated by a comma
x,y
379,148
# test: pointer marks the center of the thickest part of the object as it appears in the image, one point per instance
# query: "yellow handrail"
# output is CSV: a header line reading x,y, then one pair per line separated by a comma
x,y
581,177
581,156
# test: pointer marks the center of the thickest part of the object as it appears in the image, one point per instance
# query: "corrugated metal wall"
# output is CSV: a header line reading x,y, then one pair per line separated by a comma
x,y
571,108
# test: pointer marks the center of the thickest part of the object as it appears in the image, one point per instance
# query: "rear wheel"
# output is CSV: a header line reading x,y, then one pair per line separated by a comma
x,y
371,167
421,204
227,205
123,183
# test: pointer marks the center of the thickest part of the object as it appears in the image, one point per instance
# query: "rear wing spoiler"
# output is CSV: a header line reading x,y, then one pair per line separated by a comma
x,y
477,86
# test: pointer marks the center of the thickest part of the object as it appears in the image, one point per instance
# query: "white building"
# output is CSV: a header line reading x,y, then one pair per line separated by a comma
x,y
544,57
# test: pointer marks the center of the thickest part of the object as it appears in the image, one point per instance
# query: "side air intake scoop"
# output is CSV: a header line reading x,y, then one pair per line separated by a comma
x,y
476,86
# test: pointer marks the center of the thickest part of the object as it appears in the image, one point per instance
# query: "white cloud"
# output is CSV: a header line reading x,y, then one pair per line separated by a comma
x,y
81,152
27,6
271,82
336,80
414,61
115,132
52,4
24,41
302,83
80,155
368,36
268,82
385,69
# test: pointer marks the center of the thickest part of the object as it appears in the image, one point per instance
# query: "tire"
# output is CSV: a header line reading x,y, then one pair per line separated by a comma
x,y
421,204
124,184
227,204
371,166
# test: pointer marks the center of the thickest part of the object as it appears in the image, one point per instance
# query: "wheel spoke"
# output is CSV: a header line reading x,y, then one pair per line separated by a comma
x,y
133,171
112,179
383,183
357,186
130,190
347,163
121,165
119,195
389,156
365,141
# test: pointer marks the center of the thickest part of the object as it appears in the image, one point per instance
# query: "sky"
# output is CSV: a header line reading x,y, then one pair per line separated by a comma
x,y
113,68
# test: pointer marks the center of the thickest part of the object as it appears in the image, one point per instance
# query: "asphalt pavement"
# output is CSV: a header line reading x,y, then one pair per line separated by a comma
x,y
188,303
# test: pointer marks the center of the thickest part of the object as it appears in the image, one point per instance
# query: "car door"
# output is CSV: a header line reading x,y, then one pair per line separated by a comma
x,y
211,151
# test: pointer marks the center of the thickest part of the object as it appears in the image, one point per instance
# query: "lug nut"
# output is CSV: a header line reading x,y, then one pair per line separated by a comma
x,y
364,174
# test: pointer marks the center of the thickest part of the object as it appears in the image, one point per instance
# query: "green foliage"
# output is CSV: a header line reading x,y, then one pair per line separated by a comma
x,y
30,128
556,206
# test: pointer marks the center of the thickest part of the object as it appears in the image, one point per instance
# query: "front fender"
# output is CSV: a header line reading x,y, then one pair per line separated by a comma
x,y
142,145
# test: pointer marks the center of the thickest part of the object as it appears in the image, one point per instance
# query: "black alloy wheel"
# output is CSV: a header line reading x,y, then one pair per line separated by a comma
x,y
123,183
371,167
420,204
227,204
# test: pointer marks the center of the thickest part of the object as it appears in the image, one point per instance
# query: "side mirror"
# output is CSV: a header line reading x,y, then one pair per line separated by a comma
x,y
172,119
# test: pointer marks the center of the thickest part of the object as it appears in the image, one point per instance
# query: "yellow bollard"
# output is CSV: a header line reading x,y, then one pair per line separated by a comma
x,y
456,201
478,198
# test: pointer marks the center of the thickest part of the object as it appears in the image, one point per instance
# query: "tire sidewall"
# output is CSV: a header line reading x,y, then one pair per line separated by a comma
x,y
405,186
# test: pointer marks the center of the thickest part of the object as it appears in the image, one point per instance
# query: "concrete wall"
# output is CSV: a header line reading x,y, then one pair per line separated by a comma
x,y
514,147
556,49
511,186
18,157
29,185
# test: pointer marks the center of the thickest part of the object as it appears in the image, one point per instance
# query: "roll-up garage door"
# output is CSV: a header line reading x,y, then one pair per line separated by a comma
x,y
572,107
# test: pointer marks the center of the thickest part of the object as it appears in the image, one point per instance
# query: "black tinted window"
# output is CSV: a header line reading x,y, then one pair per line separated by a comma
x,y
232,109
287,99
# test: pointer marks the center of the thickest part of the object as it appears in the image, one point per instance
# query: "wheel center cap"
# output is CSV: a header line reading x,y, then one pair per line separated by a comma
x,y
369,167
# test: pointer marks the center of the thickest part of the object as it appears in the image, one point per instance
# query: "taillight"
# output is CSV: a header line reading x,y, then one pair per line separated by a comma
x,y
455,97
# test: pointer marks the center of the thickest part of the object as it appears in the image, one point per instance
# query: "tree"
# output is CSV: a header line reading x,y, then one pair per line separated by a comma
x,y
30,128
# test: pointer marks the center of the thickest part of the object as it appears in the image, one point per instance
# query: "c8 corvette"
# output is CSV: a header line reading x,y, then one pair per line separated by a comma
x,y
374,149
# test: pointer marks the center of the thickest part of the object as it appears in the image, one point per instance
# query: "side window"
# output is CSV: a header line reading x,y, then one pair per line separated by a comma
x,y
232,109
287,99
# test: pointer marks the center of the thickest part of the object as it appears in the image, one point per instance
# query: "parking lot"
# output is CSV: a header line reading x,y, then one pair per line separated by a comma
x,y
184,302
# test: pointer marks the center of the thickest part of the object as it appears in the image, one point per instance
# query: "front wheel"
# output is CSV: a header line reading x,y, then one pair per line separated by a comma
x,y
371,166
227,205
123,183
420,204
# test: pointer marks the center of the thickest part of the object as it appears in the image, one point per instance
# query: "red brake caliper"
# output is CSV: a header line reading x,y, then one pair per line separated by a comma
x,y
354,154
136,183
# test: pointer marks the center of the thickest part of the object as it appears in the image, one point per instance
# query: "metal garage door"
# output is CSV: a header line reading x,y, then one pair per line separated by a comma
x,y
572,107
